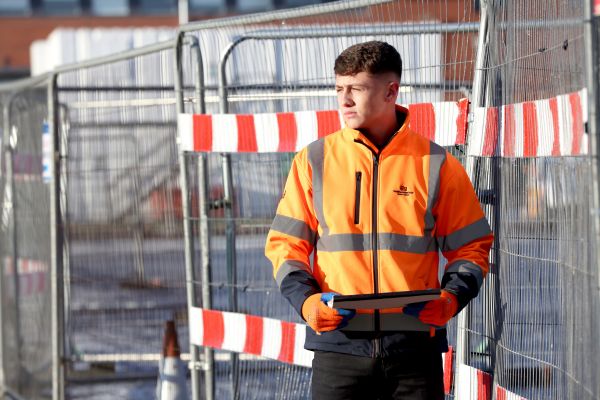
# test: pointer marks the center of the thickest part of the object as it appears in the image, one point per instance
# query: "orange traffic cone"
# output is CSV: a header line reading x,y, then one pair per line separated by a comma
x,y
172,382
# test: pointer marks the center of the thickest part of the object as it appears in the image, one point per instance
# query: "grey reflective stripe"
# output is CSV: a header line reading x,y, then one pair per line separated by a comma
x,y
387,322
437,156
406,243
386,241
293,227
466,267
345,242
316,154
287,268
459,238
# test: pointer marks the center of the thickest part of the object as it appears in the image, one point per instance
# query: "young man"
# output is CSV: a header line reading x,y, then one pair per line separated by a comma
x,y
366,210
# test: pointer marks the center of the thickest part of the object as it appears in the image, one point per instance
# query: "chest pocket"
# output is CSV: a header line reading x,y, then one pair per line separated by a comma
x,y
357,195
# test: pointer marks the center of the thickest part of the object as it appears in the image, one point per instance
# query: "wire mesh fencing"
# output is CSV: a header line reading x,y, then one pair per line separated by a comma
x,y
124,256
25,245
544,275
286,66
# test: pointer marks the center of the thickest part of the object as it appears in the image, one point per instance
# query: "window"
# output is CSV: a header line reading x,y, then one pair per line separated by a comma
x,y
110,7
298,3
155,6
62,7
207,5
254,5
14,7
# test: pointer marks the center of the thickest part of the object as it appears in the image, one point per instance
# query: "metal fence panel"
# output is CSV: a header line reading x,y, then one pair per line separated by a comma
x,y
288,66
124,266
26,248
530,328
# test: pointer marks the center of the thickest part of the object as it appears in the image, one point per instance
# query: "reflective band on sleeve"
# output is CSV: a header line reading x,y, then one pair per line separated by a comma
x,y
466,267
316,154
386,241
293,227
459,238
287,268
436,160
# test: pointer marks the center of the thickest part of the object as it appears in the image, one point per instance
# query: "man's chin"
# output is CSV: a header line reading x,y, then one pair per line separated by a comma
x,y
352,124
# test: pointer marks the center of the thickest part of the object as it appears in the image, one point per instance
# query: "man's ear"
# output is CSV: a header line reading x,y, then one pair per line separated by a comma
x,y
392,91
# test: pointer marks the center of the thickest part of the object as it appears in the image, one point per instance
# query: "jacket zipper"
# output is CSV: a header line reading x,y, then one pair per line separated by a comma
x,y
376,341
357,198
376,316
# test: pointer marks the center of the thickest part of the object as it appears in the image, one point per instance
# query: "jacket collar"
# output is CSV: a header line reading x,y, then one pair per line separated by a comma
x,y
359,137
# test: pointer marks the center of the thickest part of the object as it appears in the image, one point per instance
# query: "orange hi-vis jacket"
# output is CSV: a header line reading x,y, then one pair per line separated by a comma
x,y
355,219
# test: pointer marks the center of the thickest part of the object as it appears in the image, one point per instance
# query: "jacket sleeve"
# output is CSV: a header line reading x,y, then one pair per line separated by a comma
x,y
463,233
292,236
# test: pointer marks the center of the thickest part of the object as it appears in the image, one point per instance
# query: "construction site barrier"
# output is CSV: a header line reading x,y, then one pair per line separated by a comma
x,y
444,123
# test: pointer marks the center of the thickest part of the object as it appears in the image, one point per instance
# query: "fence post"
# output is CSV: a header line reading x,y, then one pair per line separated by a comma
x,y
478,91
230,235
11,145
187,228
7,206
209,379
592,13
228,200
56,230
200,107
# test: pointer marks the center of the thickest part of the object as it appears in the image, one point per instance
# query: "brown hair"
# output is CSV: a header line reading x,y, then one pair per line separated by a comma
x,y
373,57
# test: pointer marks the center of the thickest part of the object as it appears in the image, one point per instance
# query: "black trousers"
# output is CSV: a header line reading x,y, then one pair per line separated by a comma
x,y
407,376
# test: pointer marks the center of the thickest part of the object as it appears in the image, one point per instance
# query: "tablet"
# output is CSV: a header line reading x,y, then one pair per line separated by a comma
x,y
383,300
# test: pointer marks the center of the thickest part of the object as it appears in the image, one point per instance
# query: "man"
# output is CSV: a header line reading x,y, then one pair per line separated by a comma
x,y
365,210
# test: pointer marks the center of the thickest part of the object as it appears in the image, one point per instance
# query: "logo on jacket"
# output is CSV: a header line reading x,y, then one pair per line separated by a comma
x,y
403,191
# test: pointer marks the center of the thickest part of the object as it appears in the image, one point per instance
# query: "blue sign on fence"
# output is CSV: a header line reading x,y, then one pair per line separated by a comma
x,y
47,165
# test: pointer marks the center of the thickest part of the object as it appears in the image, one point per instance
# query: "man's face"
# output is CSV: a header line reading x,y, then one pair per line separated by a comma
x,y
363,98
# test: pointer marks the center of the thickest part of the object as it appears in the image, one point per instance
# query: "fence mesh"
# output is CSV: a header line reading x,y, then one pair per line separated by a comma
x,y
125,269
25,247
543,286
287,64
283,66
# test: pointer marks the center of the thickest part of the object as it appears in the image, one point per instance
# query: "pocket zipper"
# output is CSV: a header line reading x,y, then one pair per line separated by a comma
x,y
357,197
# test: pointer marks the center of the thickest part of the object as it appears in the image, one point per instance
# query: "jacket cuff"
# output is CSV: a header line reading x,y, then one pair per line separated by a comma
x,y
297,286
463,279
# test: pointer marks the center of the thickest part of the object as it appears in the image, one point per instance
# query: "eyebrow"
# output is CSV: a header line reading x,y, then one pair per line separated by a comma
x,y
351,85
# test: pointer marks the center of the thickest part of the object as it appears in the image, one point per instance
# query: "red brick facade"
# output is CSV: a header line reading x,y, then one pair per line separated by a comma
x,y
17,33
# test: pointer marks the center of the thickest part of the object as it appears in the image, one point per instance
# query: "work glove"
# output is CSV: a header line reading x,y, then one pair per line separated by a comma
x,y
322,318
435,312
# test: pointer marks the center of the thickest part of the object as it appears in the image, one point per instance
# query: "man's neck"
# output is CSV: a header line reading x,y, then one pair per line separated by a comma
x,y
383,133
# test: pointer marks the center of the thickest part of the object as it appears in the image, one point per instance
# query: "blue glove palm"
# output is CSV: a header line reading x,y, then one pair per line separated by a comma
x,y
322,318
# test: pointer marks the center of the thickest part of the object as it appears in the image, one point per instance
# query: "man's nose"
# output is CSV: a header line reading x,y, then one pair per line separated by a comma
x,y
345,98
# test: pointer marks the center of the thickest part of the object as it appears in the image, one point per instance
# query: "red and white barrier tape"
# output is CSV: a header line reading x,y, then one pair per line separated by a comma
x,y
32,274
242,333
474,384
503,394
266,337
549,127
445,123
